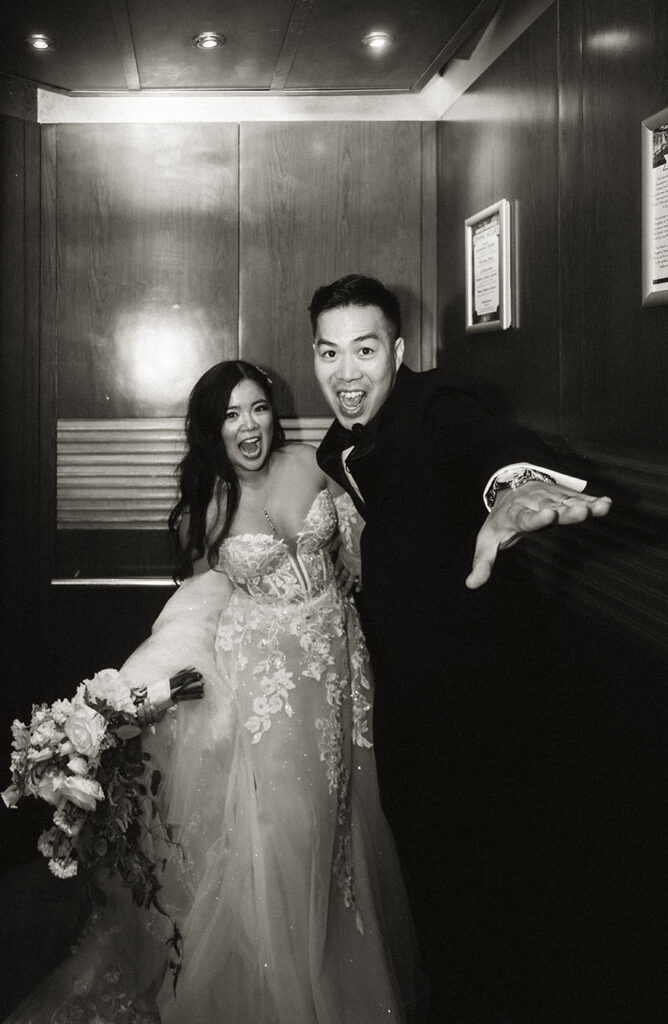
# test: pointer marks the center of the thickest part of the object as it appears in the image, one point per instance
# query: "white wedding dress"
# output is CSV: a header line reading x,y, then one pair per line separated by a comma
x,y
283,877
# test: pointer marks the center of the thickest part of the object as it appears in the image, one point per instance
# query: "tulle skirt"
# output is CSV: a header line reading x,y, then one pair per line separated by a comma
x,y
279,866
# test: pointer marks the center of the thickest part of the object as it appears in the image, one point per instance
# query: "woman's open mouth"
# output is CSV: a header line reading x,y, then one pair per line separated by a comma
x,y
251,447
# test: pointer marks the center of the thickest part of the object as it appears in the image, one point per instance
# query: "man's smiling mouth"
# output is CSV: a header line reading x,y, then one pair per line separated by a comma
x,y
351,401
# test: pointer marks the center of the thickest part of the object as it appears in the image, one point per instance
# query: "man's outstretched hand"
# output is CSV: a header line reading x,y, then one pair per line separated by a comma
x,y
531,507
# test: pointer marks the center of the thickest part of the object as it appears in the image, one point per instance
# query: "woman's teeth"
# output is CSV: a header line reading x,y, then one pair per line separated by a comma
x,y
250,446
351,401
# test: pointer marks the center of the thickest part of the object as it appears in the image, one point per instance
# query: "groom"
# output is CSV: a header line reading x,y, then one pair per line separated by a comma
x,y
465,714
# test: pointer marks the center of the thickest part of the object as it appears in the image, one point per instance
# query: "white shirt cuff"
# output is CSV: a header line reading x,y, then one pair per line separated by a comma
x,y
574,482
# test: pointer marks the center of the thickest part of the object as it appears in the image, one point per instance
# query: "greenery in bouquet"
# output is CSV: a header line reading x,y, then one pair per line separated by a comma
x,y
84,757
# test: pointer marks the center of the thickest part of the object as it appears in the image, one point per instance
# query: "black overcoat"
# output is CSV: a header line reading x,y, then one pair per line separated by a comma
x,y
465,716
421,466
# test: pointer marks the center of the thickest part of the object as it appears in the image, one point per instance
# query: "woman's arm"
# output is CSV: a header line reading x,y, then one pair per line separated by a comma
x,y
215,515
183,633
336,490
200,565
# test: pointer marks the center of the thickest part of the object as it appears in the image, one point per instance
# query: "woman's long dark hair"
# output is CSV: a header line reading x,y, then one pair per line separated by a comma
x,y
205,464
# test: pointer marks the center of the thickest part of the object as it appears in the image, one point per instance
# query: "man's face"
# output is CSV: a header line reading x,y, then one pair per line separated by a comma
x,y
356,361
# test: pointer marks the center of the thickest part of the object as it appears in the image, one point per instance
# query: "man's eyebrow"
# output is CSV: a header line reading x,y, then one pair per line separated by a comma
x,y
370,335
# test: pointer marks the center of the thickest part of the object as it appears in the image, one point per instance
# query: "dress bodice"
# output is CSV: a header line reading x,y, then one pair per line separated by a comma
x,y
272,568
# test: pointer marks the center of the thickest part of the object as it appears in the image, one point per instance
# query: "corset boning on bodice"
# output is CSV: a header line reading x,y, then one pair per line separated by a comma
x,y
270,568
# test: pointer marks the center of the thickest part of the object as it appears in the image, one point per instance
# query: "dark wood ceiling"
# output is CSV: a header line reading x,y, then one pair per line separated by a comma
x,y
312,46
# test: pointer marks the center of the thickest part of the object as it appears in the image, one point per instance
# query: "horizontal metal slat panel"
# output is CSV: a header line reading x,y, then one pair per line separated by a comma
x,y
120,473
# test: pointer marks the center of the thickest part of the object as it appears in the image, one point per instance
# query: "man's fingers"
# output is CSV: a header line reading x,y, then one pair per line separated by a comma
x,y
601,506
346,581
528,509
484,558
491,541
527,520
597,506
480,573
573,513
576,510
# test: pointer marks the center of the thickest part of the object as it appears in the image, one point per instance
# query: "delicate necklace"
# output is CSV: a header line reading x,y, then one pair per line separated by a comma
x,y
270,521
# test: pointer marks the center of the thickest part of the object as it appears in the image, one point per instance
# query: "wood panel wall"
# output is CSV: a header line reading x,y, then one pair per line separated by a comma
x,y
19,372
500,141
147,242
24,651
615,359
178,245
318,201
555,127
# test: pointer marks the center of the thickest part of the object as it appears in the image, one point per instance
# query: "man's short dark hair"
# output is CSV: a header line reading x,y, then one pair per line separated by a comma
x,y
356,290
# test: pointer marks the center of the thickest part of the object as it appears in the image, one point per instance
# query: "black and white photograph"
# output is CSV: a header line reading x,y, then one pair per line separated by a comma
x,y
334,359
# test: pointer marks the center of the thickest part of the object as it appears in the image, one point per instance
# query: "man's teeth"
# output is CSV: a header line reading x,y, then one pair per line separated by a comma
x,y
351,399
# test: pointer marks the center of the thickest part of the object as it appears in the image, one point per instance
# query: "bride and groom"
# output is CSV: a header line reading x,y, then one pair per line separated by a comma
x,y
286,883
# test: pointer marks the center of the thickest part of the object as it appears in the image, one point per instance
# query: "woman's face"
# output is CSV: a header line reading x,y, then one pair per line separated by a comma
x,y
247,428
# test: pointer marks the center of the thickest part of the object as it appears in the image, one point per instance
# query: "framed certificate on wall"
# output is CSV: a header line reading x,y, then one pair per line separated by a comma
x,y
655,209
488,269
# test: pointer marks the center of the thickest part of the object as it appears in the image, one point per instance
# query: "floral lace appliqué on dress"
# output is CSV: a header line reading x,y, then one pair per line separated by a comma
x,y
289,642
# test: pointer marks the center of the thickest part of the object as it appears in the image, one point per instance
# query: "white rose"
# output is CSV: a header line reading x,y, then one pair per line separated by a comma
x,y
20,735
108,686
35,755
78,765
82,792
85,729
47,788
11,796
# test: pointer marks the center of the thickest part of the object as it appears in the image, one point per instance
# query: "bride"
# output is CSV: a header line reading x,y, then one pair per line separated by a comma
x,y
281,871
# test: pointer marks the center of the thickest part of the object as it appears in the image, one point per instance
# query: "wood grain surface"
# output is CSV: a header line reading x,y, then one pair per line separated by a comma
x,y
500,142
320,200
146,264
555,126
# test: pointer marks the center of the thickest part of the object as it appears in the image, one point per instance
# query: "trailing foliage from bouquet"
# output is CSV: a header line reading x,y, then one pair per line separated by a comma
x,y
84,757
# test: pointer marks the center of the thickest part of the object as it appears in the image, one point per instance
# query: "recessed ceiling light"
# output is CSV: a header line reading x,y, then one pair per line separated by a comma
x,y
377,40
38,41
209,40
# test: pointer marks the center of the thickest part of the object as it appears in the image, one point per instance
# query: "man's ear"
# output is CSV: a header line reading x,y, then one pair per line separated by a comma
x,y
398,352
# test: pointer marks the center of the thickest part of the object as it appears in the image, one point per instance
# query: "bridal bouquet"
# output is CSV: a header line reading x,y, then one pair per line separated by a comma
x,y
83,757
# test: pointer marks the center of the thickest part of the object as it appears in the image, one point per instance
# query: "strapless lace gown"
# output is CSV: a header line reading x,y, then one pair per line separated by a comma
x,y
288,893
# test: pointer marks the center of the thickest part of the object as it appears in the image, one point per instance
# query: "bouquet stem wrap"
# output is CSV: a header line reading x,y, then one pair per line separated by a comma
x,y
165,693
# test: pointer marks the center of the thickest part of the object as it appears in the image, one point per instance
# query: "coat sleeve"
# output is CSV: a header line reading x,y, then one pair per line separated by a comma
x,y
472,444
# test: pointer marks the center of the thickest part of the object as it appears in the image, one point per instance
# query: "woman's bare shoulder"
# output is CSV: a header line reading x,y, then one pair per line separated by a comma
x,y
305,456
302,454
300,457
